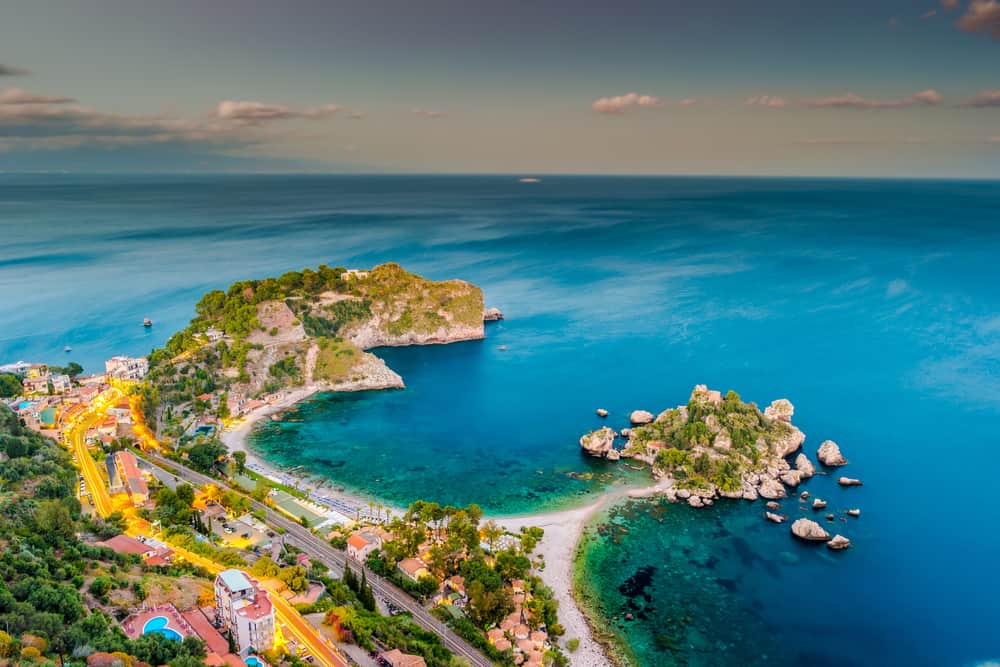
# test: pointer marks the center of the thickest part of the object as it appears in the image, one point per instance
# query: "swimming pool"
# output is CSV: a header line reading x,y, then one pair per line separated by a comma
x,y
159,624
252,661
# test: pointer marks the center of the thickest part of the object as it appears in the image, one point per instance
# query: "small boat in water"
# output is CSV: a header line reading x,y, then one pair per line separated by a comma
x,y
147,323
67,349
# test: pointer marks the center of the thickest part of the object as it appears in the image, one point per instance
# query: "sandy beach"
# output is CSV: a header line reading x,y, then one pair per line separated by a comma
x,y
563,530
562,533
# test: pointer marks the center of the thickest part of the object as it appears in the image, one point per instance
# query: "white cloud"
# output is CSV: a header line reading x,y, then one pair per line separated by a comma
x,y
621,103
982,16
928,97
767,101
428,113
258,112
986,98
19,96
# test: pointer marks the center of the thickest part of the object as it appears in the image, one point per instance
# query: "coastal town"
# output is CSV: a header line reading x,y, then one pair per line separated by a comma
x,y
274,606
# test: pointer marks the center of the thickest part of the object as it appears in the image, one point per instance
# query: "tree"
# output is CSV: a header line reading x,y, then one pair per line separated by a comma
x,y
492,532
265,567
241,461
54,520
205,456
350,579
10,385
185,494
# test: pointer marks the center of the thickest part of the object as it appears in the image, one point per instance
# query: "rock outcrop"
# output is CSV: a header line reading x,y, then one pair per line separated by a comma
x,y
492,314
790,478
804,465
771,489
601,412
809,531
775,518
781,410
819,504
598,443
789,442
829,454
838,543
640,417
850,481
854,512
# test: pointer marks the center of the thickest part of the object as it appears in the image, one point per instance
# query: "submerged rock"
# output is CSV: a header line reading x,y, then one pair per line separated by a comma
x,y
775,518
804,465
598,443
809,530
838,543
640,417
829,454
849,481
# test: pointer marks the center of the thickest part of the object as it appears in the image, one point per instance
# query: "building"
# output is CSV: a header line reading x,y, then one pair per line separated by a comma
x,y
396,658
131,477
38,384
413,568
361,544
153,552
126,368
60,383
245,610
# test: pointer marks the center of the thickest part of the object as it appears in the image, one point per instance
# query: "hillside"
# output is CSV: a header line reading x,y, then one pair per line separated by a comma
x,y
305,331
58,595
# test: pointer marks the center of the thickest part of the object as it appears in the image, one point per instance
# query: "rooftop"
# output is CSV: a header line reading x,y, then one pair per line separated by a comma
x,y
235,580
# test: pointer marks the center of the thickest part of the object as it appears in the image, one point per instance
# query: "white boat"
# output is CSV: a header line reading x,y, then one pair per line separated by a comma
x,y
530,180
67,349
147,323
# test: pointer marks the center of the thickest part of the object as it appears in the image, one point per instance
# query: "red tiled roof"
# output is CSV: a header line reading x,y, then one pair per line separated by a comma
x,y
124,544
214,641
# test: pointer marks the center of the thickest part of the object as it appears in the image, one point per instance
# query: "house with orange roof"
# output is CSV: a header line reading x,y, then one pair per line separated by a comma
x,y
361,544
396,658
413,568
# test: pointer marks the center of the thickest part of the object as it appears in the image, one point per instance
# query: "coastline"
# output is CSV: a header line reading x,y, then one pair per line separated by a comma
x,y
564,529
557,548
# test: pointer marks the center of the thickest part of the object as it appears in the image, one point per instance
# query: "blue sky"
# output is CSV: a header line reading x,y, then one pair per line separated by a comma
x,y
882,88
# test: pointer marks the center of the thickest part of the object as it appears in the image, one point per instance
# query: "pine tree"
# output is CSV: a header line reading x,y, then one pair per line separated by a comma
x,y
349,579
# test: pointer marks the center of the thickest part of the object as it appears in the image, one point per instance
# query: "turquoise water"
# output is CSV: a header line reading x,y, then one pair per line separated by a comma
x,y
159,624
253,662
872,305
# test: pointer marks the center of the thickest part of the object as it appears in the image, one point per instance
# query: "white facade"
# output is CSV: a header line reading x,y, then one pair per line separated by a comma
x,y
245,611
126,368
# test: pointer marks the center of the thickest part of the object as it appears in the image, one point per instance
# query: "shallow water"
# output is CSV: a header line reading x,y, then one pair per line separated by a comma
x,y
872,305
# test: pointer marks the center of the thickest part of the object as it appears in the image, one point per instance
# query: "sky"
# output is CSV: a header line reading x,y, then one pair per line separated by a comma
x,y
893,88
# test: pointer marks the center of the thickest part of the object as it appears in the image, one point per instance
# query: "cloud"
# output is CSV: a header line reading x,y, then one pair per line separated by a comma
x,y
257,112
622,103
688,102
929,14
767,101
428,113
982,16
986,98
853,101
18,96
9,70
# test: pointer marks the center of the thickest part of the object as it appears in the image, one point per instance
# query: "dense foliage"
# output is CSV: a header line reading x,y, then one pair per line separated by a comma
x,y
52,585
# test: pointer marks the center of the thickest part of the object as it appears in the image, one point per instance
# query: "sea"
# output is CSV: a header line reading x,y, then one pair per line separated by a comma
x,y
873,305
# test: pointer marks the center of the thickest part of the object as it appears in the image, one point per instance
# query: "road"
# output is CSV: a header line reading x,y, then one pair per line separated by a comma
x,y
76,440
283,611
301,537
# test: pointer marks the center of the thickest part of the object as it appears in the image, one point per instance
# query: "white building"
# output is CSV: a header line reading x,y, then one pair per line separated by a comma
x,y
60,383
360,545
126,368
245,610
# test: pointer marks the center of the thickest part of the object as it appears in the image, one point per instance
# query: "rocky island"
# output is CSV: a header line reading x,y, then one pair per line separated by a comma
x,y
718,446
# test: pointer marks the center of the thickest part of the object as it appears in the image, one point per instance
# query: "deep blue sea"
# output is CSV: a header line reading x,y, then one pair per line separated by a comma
x,y
872,305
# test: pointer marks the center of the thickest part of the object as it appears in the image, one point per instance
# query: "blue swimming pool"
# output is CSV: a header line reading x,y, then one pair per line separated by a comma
x,y
24,405
159,624
252,661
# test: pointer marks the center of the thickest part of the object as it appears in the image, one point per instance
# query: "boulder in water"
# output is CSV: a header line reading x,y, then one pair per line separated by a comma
x,y
838,543
640,417
829,454
601,412
809,530
850,481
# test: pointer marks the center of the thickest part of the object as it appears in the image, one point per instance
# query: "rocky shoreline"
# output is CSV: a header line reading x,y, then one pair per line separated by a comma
x,y
717,447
